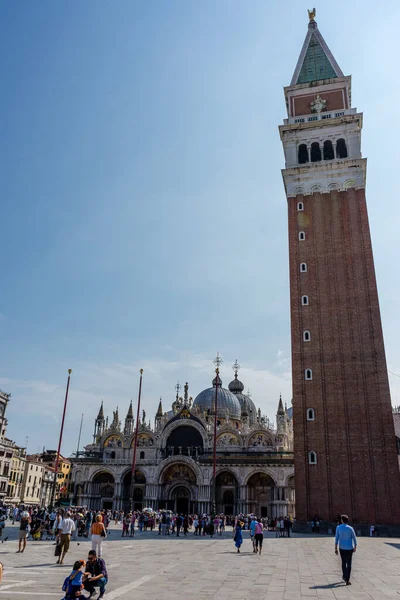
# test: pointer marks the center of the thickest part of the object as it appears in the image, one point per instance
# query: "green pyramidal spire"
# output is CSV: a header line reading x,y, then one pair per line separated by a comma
x,y
316,61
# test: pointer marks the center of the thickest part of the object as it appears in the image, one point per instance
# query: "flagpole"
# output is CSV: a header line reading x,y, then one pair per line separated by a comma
x,y
215,441
53,489
217,362
135,439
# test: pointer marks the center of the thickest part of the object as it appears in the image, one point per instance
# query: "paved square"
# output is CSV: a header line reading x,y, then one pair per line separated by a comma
x,y
150,567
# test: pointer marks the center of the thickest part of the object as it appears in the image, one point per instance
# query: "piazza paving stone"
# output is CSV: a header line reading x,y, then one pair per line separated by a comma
x,y
151,567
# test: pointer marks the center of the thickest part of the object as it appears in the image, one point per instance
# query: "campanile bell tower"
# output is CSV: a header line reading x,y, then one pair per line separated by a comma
x,y
344,442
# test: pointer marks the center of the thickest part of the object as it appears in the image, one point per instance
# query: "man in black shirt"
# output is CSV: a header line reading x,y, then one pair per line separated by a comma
x,y
96,573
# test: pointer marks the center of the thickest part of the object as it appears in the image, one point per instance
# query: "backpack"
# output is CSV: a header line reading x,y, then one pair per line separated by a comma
x,y
65,584
258,528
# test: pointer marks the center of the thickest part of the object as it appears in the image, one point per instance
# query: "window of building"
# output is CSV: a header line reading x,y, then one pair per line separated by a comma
x,y
306,336
304,300
142,454
341,148
302,236
315,152
310,414
312,458
29,479
303,154
328,150
308,374
113,454
300,206
303,267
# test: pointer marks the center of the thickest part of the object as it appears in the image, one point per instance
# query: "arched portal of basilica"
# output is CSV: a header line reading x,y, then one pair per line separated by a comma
x,y
133,497
174,468
179,489
261,494
227,493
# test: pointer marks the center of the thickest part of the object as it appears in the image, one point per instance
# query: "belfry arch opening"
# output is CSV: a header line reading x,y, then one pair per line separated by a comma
x,y
329,153
315,152
341,148
303,154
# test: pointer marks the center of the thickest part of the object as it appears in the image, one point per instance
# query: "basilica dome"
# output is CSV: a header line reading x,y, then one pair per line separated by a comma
x,y
251,406
237,387
228,404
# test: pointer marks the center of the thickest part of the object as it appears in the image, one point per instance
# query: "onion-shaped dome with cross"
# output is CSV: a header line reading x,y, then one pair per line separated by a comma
x,y
237,387
227,403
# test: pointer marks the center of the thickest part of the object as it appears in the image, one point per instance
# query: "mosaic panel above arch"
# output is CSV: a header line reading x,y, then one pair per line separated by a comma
x,y
113,441
178,472
144,440
261,439
228,439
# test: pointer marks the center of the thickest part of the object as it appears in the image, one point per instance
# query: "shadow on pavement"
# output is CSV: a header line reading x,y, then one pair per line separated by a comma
x,y
235,552
397,546
32,566
328,586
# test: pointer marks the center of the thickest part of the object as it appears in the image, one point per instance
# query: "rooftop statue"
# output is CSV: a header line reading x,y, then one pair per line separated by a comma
x,y
311,14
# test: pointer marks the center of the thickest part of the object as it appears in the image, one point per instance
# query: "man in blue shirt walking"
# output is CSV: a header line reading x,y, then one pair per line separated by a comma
x,y
347,541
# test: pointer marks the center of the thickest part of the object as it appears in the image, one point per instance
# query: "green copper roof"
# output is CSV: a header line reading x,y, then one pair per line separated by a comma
x,y
316,61
316,64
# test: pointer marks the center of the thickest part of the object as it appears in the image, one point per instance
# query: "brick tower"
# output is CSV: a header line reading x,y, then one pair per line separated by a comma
x,y
344,442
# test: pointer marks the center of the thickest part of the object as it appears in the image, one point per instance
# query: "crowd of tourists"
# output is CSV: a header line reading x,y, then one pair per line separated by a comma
x,y
64,525
168,523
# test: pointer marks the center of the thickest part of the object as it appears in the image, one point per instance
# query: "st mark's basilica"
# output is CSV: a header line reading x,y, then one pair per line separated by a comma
x,y
174,465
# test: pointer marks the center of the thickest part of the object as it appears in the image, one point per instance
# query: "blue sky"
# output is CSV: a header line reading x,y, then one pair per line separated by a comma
x,y
143,211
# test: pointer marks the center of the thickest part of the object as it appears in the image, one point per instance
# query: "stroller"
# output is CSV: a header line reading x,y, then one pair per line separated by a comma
x,y
81,526
35,530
